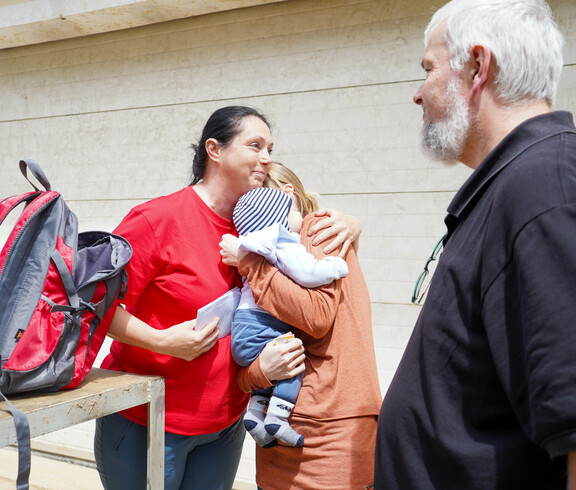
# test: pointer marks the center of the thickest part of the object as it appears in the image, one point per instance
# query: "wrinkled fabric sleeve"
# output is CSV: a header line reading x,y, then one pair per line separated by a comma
x,y
147,257
530,313
285,250
251,378
308,271
310,310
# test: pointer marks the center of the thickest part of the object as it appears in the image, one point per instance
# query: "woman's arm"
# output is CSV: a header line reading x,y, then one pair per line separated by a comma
x,y
311,310
571,462
278,360
344,228
178,341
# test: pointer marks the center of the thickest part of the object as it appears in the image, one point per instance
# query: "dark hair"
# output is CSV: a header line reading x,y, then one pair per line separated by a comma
x,y
222,125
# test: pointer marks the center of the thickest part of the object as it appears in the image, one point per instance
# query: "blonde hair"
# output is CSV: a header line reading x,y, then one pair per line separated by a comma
x,y
280,175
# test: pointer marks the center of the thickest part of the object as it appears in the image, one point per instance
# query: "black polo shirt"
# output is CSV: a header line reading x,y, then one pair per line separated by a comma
x,y
485,394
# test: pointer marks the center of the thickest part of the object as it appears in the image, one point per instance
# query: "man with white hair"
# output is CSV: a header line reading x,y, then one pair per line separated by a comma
x,y
485,394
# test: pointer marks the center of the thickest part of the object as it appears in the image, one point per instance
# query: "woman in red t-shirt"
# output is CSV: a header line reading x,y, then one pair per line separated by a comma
x,y
176,269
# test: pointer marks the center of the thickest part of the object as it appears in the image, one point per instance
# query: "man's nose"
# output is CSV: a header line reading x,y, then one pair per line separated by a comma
x,y
418,96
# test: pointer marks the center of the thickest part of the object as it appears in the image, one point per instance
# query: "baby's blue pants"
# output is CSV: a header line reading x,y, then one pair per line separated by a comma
x,y
251,331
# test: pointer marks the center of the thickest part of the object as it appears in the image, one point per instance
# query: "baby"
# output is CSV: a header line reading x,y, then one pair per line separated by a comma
x,y
268,223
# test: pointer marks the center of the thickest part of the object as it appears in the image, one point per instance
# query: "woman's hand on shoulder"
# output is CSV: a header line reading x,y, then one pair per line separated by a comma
x,y
282,359
185,342
342,228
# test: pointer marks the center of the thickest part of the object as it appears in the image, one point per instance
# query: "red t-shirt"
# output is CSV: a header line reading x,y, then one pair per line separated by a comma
x,y
176,268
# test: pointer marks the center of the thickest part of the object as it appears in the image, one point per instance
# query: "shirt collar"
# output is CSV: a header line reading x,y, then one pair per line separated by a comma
x,y
518,140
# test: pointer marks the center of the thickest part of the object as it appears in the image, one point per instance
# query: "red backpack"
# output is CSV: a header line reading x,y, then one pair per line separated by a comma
x,y
58,294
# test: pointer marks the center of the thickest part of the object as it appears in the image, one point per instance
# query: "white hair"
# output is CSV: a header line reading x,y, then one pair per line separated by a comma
x,y
521,35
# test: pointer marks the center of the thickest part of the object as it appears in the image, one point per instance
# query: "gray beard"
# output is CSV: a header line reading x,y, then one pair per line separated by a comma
x,y
444,140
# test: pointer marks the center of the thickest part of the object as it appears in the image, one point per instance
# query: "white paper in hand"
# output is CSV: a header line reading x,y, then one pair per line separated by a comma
x,y
224,308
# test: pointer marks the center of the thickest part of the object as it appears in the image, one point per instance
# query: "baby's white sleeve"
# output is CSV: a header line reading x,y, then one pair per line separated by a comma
x,y
305,269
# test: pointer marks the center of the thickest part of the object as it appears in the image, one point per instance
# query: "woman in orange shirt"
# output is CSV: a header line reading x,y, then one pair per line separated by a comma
x,y
340,398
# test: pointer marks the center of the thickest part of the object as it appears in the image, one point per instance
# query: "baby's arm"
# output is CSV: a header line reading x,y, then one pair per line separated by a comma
x,y
284,250
303,268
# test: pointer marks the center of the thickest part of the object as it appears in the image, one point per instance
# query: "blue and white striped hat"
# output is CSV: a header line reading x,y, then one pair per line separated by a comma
x,y
261,208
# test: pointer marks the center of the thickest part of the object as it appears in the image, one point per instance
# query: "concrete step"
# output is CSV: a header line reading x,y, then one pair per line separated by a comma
x,y
47,473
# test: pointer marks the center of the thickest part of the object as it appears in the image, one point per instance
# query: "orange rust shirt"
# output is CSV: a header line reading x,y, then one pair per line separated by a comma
x,y
334,323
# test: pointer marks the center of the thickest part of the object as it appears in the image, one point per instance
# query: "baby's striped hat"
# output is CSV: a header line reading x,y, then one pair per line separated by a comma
x,y
261,208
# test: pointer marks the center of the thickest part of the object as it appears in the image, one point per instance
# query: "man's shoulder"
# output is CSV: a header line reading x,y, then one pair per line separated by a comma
x,y
545,163
539,179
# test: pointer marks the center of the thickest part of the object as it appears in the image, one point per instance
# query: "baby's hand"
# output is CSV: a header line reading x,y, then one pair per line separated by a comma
x,y
229,250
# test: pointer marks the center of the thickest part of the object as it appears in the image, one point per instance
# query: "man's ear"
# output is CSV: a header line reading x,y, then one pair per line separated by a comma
x,y
480,61
212,149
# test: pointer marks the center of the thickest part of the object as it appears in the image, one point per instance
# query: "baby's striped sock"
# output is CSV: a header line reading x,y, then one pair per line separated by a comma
x,y
276,422
254,421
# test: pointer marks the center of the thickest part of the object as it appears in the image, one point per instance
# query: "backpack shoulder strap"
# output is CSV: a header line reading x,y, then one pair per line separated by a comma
x,y
66,278
23,439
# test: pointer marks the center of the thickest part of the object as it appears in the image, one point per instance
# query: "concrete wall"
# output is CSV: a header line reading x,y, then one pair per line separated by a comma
x,y
110,118
25,22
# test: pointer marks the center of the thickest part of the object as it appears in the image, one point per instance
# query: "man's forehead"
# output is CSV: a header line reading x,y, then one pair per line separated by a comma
x,y
437,37
437,47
